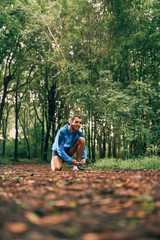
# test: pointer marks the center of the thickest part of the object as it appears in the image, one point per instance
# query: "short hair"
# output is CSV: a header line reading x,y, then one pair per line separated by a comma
x,y
72,118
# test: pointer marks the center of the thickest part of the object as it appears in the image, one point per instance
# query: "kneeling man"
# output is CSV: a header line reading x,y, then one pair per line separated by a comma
x,y
69,140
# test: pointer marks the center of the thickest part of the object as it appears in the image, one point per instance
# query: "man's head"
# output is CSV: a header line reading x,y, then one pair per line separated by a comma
x,y
75,116
75,123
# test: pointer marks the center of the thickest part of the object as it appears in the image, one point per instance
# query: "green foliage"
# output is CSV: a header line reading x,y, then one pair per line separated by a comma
x,y
99,59
4,161
134,164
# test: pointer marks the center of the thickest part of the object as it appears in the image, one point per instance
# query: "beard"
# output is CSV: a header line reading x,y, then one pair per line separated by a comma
x,y
74,128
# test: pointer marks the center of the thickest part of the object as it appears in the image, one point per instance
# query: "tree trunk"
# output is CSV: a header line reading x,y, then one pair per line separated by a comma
x,y
89,136
36,140
114,146
124,147
104,143
4,130
42,139
25,136
100,144
51,112
4,136
46,143
16,128
119,146
109,144
93,138
6,82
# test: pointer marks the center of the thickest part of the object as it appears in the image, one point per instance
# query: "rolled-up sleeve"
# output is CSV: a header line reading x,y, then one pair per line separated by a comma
x,y
84,155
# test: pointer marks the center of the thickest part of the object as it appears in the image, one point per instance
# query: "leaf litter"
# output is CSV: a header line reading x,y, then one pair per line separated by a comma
x,y
37,203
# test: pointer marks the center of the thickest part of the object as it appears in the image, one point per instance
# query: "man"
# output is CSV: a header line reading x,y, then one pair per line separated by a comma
x,y
69,140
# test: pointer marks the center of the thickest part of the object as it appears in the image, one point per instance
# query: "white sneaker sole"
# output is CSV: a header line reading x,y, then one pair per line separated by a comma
x,y
75,168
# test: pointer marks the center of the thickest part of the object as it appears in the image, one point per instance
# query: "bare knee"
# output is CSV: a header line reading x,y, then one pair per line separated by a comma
x,y
56,163
81,140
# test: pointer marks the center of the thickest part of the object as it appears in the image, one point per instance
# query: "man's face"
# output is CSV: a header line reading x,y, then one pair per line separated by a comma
x,y
76,124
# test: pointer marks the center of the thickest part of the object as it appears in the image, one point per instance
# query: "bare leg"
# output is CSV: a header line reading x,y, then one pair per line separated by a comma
x,y
56,163
78,148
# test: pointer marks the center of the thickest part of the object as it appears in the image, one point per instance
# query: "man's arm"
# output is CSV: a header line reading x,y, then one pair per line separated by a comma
x,y
60,148
84,156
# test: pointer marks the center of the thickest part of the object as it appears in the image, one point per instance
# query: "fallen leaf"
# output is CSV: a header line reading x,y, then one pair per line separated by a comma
x,y
47,220
32,217
90,236
17,227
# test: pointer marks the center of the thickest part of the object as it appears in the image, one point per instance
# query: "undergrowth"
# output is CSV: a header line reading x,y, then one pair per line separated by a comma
x,y
138,163
152,162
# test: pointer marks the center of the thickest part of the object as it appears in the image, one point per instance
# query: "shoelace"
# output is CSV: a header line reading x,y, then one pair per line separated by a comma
x,y
80,167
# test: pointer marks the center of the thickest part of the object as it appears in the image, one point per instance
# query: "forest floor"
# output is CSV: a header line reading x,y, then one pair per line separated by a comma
x,y
38,204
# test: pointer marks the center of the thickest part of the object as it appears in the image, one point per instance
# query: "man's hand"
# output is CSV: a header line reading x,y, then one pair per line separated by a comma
x,y
76,163
83,161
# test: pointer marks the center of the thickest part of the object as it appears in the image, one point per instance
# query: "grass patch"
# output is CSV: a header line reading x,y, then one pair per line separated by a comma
x,y
10,160
6,161
100,164
135,164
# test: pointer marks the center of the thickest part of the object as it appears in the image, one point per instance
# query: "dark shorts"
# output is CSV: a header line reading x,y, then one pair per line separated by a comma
x,y
55,153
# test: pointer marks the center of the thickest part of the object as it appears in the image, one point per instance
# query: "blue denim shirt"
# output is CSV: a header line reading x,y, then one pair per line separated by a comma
x,y
64,140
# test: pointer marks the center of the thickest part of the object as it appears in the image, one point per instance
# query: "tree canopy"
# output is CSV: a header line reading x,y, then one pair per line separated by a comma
x,y
97,58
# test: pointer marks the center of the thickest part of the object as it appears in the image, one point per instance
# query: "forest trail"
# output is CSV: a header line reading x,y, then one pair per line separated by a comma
x,y
38,204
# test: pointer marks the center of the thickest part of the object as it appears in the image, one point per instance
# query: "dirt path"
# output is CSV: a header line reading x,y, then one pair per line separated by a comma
x,y
37,204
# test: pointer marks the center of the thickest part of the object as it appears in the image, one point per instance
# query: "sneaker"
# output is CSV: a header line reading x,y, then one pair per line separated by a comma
x,y
80,167
75,168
